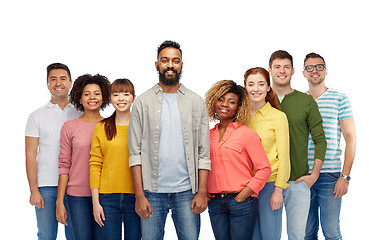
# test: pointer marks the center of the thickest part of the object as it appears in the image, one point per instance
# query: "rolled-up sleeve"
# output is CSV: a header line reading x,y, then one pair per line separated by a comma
x,y
204,145
65,155
135,136
260,161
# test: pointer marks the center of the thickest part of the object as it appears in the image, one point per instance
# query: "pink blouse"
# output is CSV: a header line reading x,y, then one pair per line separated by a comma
x,y
237,161
74,156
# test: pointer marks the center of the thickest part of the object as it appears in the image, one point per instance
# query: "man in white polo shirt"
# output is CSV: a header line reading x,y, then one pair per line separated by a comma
x,y
42,150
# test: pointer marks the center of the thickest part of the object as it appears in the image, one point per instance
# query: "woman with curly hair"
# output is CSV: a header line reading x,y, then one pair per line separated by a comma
x,y
89,94
111,182
239,165
272,126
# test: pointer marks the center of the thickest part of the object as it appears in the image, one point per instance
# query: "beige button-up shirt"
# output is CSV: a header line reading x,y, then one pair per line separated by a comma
x,y
144,132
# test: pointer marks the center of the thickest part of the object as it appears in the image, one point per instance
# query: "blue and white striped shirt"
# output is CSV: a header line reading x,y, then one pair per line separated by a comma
x,y
333,106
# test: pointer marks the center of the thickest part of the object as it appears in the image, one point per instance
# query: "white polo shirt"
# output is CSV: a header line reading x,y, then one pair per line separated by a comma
x,y
45,124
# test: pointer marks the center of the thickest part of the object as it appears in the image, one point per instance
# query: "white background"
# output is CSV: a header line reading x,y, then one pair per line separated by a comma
x,y
220,40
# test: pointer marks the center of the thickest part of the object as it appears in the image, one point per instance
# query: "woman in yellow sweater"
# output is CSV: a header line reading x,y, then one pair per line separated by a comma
x,y
110,177
272,127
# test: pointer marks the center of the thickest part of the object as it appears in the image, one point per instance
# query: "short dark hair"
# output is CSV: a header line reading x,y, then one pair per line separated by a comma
x,y
169,43
280,54
57,66
81,82
313,55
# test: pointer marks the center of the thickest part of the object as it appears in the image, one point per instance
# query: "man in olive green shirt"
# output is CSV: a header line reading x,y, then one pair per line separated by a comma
x,y
303,117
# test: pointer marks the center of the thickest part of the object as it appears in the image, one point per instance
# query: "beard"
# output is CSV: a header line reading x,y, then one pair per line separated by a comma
x,y
169,81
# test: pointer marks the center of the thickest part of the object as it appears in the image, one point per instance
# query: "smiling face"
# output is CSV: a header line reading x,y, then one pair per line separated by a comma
x,y
169,66
226,107
315,77
121,101
281,71
257,88
91,98
58,84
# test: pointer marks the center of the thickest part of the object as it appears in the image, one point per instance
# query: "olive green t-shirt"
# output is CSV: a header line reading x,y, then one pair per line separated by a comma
x,y
303,117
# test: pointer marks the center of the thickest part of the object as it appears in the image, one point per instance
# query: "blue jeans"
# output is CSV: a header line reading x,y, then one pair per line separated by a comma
x,y
231,219
120,207
268,225
46,218
322,198
297,203
186,222
81,213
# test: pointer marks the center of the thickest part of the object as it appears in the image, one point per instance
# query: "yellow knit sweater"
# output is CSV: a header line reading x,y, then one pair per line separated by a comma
x,y
109,170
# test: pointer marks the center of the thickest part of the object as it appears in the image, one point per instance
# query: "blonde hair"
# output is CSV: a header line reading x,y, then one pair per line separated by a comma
x,y
221,88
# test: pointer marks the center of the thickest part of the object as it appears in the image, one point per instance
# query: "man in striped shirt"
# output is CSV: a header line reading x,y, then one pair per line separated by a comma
x,y
332,184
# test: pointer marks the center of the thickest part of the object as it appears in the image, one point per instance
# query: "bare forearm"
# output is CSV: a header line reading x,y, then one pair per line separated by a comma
x,y
31,145
31,169
318,164
203,180
137,180
62,186
349,134
95,195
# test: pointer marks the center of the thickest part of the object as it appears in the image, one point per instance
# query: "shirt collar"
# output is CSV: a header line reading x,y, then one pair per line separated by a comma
x,y
182,89
265,109
52,105
233,125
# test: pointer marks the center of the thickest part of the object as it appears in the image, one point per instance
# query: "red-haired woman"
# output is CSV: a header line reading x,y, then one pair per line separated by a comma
x,y
271,125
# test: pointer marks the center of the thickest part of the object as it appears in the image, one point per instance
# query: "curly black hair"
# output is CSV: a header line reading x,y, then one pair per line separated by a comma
x,y
81,82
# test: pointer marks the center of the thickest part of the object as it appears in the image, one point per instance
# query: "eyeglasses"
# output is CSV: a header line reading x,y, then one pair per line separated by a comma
x,y
310,68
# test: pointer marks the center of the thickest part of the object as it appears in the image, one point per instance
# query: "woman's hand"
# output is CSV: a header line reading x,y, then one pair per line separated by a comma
x,y
276,200
99,214
61,213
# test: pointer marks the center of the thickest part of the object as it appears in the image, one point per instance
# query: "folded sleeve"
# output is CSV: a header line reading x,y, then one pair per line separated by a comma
x,y
65,155
260,161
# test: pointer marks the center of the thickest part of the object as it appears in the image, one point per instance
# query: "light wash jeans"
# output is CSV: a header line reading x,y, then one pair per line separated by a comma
x,y
46,218
323,201
268,225
297,204
186,222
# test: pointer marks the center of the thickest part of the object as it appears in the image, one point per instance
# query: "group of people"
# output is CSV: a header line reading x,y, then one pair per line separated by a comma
x,y
272,146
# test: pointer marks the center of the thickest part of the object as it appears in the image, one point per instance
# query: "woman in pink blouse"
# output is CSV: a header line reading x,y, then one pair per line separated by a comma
x,y
239,165
89,94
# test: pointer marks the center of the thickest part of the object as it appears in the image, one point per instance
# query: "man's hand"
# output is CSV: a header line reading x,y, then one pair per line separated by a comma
x,y
36,199
309,180
142,207
341,188
199,202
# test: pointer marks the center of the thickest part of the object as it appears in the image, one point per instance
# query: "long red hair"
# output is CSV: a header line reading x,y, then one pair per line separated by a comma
x,y
270,97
